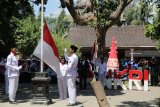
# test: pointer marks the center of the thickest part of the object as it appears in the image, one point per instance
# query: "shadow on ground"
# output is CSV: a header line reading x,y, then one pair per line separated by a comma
x,y
3,97
90,91
153,103
114,92
25,92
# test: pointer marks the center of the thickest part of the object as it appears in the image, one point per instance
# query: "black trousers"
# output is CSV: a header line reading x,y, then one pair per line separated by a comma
x,y
154,80
83,82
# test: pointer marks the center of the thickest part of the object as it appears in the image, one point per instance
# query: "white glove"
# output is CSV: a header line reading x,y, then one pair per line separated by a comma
x,y
65,50
20,67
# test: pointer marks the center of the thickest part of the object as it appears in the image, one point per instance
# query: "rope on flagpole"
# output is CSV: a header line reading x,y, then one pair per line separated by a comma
x,y
41,35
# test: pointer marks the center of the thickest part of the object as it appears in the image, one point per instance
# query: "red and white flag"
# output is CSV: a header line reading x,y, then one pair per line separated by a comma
x,y
50,51
94,53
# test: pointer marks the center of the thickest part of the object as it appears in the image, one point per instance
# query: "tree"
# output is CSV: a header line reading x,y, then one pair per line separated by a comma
x,y
153,30
51,23
139,13
62,24
102,14
61,43
9,9
37,2
27,34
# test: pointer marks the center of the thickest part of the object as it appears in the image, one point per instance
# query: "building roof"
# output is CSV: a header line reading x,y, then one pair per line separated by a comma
x,y
126,36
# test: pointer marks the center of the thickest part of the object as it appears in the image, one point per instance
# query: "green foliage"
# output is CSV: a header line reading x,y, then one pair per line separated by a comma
x,y
103,9
27,34
136,22
139,14
153,30
9,9
62,24
37,2
130,15
61,43
51,23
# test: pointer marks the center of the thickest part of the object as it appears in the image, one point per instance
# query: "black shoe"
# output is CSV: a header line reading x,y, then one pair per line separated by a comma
x,y
6,95
105,87
71,104
13,102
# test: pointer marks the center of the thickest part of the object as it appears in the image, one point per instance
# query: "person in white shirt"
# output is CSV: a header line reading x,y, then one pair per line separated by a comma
x,y
102,70
13,75
72,74
62,81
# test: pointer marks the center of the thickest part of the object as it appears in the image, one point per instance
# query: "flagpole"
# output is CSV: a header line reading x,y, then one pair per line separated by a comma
x,y
41,35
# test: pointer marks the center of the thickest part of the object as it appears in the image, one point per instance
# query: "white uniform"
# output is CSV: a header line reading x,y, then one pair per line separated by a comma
x,y
71,77
6,81
102,72
62,82
13,75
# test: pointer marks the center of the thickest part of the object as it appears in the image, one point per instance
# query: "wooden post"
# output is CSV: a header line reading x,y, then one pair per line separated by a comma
x,y
100,93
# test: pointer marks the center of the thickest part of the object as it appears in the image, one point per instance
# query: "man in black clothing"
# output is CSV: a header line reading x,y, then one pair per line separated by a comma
x,y
152,64
83,69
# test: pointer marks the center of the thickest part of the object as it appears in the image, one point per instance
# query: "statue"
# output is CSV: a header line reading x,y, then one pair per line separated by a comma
x,y
83,7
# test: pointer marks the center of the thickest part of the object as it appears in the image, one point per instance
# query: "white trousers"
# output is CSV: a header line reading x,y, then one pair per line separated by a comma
x,y
71,83
6,84
13,85
62,87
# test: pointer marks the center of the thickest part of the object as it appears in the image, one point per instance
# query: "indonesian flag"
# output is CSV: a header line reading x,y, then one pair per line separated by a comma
x,y
50,52
94,53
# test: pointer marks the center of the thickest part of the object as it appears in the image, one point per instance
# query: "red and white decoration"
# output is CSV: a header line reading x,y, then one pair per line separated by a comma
x,y
112,62
136,80
94,53
113,66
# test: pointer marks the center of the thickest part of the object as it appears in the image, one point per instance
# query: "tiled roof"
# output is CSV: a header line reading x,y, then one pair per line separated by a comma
x,y
126,36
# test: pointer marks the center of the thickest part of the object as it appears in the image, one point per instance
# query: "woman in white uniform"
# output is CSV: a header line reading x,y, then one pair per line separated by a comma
x,y
62,81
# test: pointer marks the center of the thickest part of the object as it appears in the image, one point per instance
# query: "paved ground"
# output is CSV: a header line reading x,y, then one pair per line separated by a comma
x,y
116,98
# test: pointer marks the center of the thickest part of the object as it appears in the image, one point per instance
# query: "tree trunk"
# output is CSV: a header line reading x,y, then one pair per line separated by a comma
x,y
101,35
100,93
